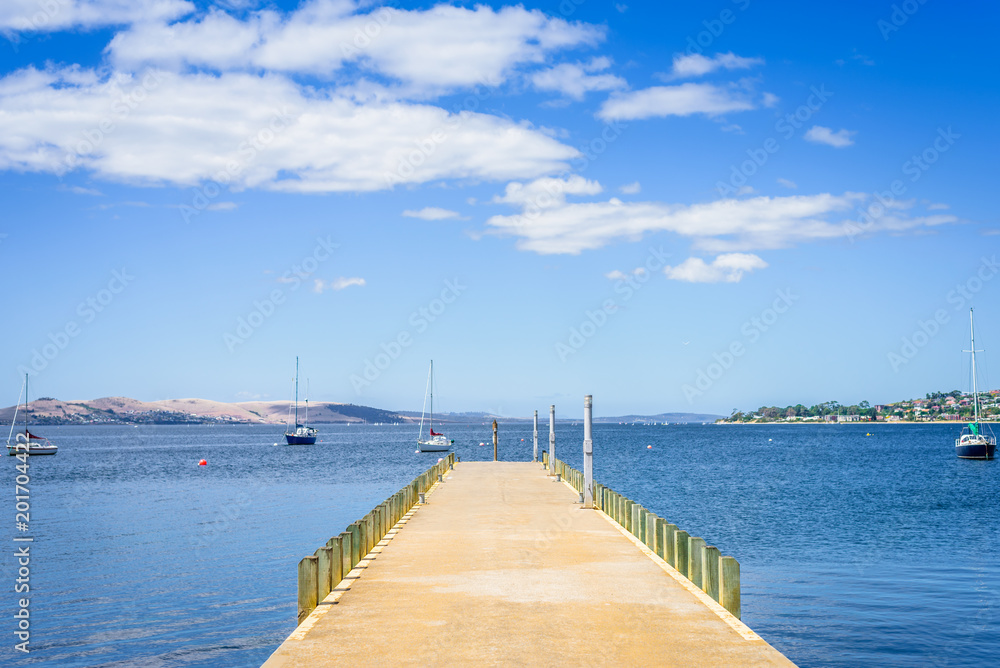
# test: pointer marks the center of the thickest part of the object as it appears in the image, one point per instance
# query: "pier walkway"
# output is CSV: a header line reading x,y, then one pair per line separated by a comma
x,y
502,566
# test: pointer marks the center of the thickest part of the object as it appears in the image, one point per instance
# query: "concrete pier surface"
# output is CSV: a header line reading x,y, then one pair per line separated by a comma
x,y
502,566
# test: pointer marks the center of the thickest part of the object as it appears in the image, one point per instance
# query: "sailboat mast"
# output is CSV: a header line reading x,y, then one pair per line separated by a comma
x,y
975,389
431,422
296,391
26,409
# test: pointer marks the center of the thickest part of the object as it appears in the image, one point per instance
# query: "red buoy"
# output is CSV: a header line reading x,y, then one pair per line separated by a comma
x,y
203,463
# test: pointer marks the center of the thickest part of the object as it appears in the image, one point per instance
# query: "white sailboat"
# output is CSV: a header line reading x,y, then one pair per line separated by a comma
x,y
302,434
434,442
976,440
27,443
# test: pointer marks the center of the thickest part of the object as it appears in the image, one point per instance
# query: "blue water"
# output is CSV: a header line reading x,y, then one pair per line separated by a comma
x,y
855,550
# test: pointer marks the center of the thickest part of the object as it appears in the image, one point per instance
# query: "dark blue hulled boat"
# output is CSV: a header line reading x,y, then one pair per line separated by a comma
x,y
302,434
977,440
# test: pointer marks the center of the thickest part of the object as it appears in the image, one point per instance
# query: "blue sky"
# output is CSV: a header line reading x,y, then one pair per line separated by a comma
x,y
696,207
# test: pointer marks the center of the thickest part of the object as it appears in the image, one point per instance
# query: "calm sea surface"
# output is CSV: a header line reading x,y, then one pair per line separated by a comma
x,y
856,550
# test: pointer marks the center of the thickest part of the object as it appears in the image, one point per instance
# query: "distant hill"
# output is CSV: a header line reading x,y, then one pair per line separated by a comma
x,y
124,410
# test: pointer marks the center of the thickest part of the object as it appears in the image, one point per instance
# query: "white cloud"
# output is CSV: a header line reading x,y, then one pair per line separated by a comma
x,y
576,79
222,206
727,268
937,206
431,213
631,188
824,135
682,100
38,16
432,50
696,65
80,190
254,130
337,284
616,275
787,183
555,226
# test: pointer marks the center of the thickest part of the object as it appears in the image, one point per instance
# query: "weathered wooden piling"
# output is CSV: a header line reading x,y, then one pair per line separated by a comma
x,y
730,589
696,560
712,576
669,544
681,550
308,574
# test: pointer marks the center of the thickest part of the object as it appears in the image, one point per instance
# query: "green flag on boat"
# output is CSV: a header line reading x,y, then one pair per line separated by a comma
x,y
974,428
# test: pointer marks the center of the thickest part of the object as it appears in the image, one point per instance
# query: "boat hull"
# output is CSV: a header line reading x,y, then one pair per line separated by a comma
x,y
435,445
292,439
976,450
33,450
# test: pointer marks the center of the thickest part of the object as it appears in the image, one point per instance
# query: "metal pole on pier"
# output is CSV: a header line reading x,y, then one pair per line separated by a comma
x,y
588,451
552,439
534,457
494,440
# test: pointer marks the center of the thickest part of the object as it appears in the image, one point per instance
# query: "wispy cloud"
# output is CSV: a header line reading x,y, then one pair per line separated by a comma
x,y
223,206
549,224
696,65
432,213
574,80
727,268
34,16
682,100
616,275
337,284
823,135
80,190
787,183
630,188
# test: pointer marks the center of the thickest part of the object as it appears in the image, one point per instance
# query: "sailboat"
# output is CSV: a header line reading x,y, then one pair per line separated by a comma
x,y
302,434
27,443
434,442
977,440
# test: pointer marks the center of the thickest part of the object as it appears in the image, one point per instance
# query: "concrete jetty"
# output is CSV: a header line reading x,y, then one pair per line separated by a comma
x,y
502,565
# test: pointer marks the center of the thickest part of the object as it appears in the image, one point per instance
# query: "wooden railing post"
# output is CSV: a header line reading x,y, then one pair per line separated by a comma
x,y
730,594
307,586
696,560
681,551
711,575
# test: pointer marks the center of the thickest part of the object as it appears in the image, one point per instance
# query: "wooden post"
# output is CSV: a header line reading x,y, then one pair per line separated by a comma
x,y
659,545
552,436
534,456
358,531
346,550
730,594
712,575
307,587
669,545
696,560
588,451
336,560
324,572
545,459
681,551
494,440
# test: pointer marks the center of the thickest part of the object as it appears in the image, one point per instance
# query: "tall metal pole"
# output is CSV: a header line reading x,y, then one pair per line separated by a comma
x,y
588,451
552,439
534,457
296,391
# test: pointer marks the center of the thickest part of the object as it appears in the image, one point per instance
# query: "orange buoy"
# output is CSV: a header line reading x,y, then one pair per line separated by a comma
x,y
649,447
203,463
